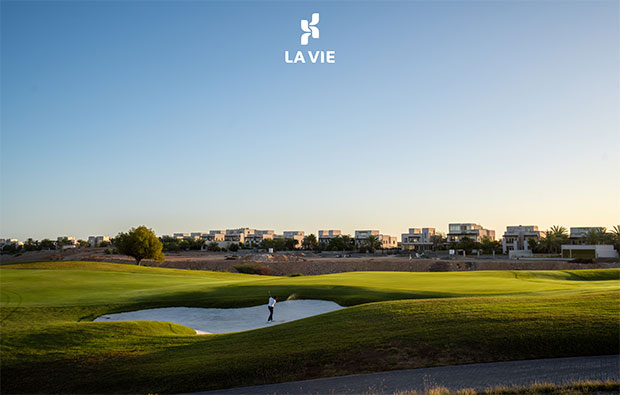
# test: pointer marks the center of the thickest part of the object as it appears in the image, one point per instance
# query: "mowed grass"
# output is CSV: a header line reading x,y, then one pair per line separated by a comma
x,y
398,320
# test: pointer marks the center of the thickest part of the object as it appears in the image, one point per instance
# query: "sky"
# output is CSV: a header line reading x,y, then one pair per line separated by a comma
x,y
185,117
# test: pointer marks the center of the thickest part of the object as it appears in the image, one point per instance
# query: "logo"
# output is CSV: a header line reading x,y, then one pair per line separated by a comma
x,y
310,29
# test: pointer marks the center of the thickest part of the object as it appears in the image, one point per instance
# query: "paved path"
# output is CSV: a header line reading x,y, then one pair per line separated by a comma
x,y
478,376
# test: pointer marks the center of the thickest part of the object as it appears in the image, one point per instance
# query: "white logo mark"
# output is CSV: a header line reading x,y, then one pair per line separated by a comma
x,y
309,28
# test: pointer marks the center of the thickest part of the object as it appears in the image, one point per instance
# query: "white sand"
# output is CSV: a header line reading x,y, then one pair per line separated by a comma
x,y
205,321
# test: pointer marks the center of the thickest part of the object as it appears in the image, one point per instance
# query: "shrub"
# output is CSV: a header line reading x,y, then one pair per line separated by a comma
x,y
295,275
253,268
107,251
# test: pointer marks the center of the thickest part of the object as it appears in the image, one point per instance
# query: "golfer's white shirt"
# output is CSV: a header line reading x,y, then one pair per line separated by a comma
x,y
272,302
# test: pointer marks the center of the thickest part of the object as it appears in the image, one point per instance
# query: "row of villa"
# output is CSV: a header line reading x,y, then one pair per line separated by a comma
x,y
515,241
249,237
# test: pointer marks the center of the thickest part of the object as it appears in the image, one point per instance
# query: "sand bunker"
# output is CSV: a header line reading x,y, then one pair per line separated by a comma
x,y
205,321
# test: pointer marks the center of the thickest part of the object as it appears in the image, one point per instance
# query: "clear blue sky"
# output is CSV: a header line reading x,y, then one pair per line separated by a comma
x,y
183,116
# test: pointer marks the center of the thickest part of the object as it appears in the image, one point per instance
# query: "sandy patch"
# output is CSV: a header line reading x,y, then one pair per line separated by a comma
x,y
206,321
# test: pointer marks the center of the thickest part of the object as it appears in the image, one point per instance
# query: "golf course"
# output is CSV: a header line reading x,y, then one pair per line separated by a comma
x,y
393,320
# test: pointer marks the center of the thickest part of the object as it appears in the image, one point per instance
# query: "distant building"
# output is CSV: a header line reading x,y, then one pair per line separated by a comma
x,y
181,236
238,235
578,235
258,236
386,241
517,239
96,240
417,239
66,242
476,232
326,235
6,242
293,234
362,235
215,235
198,235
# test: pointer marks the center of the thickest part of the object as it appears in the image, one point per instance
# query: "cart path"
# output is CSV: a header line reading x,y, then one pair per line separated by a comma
x,y
479,376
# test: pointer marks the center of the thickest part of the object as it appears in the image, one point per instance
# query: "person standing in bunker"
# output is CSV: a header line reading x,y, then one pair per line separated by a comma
x,y
272,302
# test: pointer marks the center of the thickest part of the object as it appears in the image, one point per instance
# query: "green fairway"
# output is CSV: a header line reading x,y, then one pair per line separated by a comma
x,y
398,320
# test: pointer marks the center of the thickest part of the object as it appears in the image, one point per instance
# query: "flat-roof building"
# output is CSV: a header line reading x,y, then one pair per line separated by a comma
x,y
417,239
578,234
516,239
456,232
326,235
386,241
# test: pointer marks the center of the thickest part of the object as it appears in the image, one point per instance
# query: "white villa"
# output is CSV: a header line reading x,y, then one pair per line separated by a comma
x,y
418,239
476,232
516,238
326,235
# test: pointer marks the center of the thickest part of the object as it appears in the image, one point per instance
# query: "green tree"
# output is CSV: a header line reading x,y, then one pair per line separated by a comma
x,y
310,242
140,243
234,247
83,243
615,231
599,236
31,245
439,241
213,246
553,239
488,246
372,243
467,244
266,244
47,244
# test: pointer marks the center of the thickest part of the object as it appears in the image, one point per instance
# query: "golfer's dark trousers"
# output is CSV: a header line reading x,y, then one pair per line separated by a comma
x,y
270,313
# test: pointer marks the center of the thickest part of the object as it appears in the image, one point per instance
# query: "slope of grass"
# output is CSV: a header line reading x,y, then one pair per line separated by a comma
x,y
49,345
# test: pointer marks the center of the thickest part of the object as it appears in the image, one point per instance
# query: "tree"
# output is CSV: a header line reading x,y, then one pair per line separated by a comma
x,y
599,236
488,245
372,243
31,245
83,243
467,244
213,246
310,242
553,239
140,243
234,247
47,244
439,241
615,231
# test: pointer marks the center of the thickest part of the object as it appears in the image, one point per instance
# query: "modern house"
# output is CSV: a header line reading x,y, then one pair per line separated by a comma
x,y
198,235
214,235
258,236
386,241
293,234
96,240
180,236
476,232
326,235
418,239
6,242
66,242
362,235
578,235
516,239
238,235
